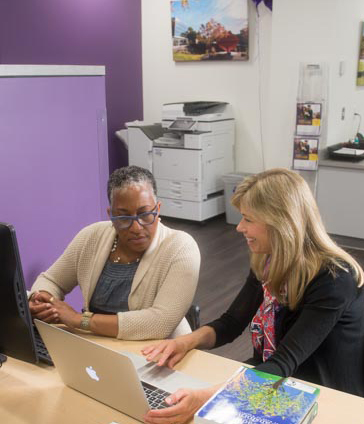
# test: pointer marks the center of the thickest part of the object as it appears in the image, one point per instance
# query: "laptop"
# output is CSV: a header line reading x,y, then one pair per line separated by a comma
x,y
123,380
18,336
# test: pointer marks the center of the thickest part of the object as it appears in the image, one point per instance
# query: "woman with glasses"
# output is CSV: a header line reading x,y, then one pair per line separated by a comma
x,y
137,276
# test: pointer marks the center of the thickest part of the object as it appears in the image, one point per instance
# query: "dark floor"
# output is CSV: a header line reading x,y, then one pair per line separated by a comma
x,y
224,267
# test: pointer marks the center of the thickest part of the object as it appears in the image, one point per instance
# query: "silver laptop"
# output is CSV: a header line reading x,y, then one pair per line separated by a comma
x,y
122,380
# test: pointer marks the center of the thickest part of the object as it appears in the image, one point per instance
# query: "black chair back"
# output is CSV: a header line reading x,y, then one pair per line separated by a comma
x,y
193,317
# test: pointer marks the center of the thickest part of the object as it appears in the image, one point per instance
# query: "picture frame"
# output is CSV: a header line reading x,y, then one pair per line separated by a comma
x,y
210,30
360,73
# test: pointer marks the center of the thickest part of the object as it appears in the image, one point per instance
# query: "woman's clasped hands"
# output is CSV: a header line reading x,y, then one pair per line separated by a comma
x,y
47,308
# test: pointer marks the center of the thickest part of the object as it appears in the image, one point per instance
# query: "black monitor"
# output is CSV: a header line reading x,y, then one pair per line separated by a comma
x,y
17,332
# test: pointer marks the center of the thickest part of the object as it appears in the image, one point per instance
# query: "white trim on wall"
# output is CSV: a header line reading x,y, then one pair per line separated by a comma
x,y
50,70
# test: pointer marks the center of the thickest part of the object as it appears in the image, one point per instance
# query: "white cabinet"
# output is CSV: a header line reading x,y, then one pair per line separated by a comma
x,y
340,197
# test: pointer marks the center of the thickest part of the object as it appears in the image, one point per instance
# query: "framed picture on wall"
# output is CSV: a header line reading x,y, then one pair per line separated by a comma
x,y
206,30
360,75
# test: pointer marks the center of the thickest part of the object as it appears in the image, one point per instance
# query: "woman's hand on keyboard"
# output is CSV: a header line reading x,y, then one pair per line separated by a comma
x,y
184,403
168,352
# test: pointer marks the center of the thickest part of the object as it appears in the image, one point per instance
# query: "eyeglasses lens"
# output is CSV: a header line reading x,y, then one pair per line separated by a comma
x,y
146,219
143,219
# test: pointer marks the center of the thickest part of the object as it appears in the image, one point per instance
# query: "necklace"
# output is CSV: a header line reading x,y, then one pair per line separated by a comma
x,y
118,259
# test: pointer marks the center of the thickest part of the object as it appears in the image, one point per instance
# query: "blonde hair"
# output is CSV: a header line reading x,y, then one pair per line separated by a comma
x,y
300,245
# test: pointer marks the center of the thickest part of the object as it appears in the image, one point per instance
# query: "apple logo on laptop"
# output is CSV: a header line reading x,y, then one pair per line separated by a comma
x,y
92,373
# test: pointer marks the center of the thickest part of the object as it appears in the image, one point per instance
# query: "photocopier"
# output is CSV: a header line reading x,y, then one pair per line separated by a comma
x,y
188,152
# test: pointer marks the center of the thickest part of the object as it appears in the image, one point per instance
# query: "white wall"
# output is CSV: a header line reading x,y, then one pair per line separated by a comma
x,y
235,82
325,31
343,89
262,91
302,31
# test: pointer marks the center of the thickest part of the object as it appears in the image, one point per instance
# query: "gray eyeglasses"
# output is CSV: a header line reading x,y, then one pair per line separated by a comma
x,y
123,222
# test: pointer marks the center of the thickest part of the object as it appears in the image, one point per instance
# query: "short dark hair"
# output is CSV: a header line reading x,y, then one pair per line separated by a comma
x,y
128,175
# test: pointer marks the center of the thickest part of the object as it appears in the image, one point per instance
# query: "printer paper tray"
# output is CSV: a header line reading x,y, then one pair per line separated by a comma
x,y
195,211
180,190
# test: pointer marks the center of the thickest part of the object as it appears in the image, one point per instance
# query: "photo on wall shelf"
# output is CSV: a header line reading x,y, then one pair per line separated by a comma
x,y
360,75
305,154
308,120
206,30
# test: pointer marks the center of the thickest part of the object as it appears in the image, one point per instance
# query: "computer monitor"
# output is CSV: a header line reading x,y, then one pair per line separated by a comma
x,y
17,332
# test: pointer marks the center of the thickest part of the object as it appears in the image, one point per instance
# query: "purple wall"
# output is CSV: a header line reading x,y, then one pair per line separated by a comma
x,y
82,32
53,163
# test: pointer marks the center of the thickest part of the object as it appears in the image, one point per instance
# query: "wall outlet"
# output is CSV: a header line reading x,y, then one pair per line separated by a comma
x,y
343,113
341,68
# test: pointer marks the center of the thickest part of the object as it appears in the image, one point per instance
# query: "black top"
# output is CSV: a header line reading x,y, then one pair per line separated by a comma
x,y
321,341
113,288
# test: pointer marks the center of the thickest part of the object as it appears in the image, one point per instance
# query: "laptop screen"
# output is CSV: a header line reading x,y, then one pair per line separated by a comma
x,y
16,327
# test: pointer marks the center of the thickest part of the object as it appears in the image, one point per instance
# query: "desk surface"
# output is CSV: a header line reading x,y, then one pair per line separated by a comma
x,y
346,164
35,394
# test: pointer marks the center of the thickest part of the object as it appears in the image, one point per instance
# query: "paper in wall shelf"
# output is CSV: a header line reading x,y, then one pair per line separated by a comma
x,y
305,153
308,120
251,396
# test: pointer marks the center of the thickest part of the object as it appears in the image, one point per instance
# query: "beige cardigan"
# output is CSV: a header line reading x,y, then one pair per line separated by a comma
x,y
163,286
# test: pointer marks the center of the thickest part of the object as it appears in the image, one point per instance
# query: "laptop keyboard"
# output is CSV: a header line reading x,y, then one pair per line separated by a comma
x,y
155,396
42,351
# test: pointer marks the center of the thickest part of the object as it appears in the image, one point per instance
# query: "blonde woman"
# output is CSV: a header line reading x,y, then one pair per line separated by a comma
x,y
303,298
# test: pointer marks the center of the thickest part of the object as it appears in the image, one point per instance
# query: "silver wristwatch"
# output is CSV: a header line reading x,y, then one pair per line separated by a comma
x,y
85,320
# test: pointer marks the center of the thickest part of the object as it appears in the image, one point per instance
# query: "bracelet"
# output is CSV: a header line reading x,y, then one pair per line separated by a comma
x,y
85,320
